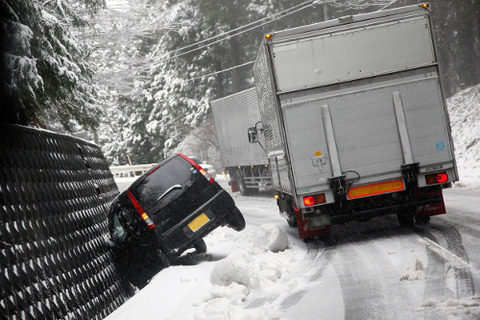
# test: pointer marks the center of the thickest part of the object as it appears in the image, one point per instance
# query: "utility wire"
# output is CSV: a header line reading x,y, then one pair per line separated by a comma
x,y
241,27
221,71
246,30
388,5
250,62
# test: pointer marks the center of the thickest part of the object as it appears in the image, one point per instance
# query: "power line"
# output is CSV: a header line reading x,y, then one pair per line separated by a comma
x,y
241,27
304,4
250,62
221,71
279,16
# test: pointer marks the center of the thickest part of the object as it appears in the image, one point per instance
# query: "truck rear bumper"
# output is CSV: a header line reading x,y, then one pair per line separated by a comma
x,y
419,208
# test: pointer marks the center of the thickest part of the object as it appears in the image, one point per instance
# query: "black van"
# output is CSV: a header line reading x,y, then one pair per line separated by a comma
x,y
164,212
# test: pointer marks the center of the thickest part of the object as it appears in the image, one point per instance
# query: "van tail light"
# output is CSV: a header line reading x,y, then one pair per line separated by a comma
x,y
198,167
315,199
140,211
433,178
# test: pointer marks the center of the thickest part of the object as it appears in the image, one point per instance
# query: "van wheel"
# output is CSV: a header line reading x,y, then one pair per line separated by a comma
x,y
140,282
200,246
235,220
163,258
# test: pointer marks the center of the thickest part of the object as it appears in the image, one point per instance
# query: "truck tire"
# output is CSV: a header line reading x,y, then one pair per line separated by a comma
x,y
292,224
235,220
241,184
422,220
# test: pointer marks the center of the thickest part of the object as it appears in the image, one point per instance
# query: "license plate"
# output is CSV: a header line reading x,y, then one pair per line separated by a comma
x,y
376,188
198,222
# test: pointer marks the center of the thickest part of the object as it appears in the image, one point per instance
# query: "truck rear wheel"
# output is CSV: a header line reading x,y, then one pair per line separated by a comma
x,y
422,220
241,184
292,223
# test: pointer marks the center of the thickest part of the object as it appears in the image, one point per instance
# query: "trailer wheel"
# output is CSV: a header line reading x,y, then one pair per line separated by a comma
x,y
241,184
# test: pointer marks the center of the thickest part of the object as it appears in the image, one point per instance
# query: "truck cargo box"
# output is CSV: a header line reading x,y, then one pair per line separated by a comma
x,y
355,119
246,163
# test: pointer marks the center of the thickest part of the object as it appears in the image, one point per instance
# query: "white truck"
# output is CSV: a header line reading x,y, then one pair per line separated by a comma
x,y
354,120
245,163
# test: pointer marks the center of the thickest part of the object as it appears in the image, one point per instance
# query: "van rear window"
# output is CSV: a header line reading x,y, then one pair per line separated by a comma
x,y
175,171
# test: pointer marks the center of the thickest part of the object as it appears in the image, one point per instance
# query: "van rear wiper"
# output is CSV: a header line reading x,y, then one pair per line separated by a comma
x,y
176,186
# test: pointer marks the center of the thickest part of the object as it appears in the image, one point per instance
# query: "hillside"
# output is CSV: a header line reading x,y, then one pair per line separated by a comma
x,y
464,109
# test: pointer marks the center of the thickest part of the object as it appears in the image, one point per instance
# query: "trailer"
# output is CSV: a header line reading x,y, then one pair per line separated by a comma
x,y
246,164
354,120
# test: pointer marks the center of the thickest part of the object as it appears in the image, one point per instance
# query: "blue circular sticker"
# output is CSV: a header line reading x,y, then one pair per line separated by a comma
x,y
440,145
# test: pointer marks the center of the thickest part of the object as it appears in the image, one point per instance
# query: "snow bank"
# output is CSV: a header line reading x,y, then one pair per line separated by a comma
x,y
254,275
456,309
241,266
464,111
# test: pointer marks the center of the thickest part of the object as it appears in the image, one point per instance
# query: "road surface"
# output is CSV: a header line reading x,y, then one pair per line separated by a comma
x,y
366,270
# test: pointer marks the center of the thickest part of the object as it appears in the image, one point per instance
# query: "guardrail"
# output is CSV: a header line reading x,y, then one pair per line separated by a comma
x,y
131,171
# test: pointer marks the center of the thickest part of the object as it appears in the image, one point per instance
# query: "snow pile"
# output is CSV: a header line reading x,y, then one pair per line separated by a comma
x,y
249,281
457,308
414,273
464,111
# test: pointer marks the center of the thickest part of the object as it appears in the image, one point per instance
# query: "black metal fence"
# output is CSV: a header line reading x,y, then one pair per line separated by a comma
x,y
54,196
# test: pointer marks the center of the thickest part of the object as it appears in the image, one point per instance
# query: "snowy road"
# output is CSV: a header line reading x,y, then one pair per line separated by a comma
x,y
370,270
382,271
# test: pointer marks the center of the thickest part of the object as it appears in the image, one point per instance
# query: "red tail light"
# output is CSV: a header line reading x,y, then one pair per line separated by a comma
x,y
433,178
309,201
315,199
140,211
442,177
198,167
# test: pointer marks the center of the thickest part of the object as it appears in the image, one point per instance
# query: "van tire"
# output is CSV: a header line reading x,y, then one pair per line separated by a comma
x,y
200,246
235,220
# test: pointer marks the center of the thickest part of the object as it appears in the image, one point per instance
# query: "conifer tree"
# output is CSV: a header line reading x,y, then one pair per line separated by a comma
x,y
45,77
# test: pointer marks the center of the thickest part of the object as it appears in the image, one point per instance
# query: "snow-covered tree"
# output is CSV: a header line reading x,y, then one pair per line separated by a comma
x,y
159,62
45,77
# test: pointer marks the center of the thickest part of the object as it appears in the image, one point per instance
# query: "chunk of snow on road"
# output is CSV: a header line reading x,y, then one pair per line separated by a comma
x,y
414,273
238,267
276,238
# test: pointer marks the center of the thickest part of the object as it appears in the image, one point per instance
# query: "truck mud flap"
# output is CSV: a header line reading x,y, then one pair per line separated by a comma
x,y
233,185
305,231
432,208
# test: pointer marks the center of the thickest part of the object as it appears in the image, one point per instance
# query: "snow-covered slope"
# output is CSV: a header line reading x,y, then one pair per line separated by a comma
x,y
464,110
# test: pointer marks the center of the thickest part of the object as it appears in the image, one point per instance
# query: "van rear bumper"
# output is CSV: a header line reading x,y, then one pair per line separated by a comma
x,y
210,215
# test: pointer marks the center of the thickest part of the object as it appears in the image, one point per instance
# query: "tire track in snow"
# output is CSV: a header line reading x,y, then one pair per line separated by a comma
x,y
370,284
320,259
449,272
319,254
